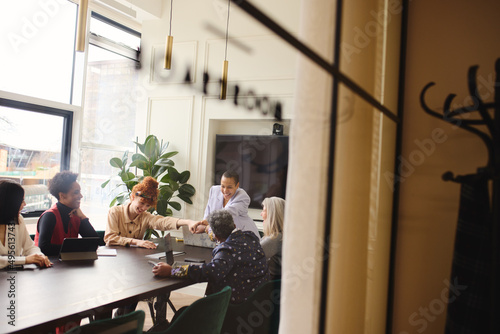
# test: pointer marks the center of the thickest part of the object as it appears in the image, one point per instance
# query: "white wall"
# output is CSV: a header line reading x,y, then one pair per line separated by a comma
x,y
180,113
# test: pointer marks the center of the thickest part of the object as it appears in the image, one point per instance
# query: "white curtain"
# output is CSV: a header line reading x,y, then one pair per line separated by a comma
x,y
364,155
307,175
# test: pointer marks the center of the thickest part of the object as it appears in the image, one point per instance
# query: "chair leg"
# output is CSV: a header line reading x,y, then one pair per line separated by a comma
x,y
171,305
152,310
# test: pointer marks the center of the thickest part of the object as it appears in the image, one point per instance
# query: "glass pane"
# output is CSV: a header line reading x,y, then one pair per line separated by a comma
x,y
115,34
109,103
31,162
95,170
37,44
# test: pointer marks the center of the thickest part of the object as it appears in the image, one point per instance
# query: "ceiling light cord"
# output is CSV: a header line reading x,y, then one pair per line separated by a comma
x,y
227,27
223,81
171,9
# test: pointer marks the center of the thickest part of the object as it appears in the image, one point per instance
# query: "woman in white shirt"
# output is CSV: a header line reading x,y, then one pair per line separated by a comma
x,y
16,245
229,196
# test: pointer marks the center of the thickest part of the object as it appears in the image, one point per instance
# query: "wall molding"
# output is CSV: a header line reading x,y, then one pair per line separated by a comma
x,y
184,55
260,53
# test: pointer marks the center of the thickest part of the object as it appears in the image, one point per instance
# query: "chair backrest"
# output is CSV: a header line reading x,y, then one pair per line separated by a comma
x,y
204,316
130,323
260,313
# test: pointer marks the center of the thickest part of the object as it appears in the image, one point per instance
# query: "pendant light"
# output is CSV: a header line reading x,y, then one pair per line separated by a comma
x,y
81,25
223,83
169,43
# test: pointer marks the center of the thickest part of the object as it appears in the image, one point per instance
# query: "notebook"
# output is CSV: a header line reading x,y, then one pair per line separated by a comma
x,y
79,249
200,240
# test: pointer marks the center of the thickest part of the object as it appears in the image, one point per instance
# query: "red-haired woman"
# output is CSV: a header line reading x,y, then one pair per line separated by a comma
x,y
128,223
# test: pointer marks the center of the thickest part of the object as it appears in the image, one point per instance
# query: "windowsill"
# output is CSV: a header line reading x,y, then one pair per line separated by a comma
x,y
31,220
31,224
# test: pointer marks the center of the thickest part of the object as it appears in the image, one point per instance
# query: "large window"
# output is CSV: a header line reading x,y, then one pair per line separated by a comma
x,y
33,162
37,66
40,69
109,111
37,41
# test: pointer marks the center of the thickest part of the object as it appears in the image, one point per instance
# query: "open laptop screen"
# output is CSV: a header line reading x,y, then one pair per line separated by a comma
x,y
79,248
168,249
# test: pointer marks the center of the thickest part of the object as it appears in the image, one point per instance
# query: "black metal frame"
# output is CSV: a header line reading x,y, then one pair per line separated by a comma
x,y
397,164
339,77
331,172
115,24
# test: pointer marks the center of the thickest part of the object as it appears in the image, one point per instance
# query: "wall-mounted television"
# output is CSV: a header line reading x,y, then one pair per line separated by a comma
x,y
260,161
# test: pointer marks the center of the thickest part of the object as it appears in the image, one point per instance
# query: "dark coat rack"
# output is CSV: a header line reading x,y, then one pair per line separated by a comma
x,y
489,132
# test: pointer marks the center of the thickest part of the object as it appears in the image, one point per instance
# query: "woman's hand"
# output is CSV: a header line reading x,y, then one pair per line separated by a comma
x,y
144,244
191,224
78,212
199,227
162,269
39,259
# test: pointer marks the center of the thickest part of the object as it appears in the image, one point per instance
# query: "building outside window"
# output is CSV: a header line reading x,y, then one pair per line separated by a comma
x,y
26,160
43,88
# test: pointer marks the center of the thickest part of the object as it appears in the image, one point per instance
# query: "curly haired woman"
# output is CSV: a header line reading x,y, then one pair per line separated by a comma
x,y
64,219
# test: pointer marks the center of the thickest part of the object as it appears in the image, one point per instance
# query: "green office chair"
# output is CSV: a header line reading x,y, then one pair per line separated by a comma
x,y
204,316
130,323
260,313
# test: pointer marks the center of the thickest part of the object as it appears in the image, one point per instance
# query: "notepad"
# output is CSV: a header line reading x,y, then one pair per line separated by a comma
x,y
101,251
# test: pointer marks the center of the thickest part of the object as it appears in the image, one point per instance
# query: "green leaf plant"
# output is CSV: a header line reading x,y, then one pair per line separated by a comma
x,y
153,160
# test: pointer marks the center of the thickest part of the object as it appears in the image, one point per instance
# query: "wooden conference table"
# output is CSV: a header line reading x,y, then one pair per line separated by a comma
x,y
69,291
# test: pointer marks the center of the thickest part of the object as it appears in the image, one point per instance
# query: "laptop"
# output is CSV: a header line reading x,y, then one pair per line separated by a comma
x,y
168,249
79,249
168,254
200,240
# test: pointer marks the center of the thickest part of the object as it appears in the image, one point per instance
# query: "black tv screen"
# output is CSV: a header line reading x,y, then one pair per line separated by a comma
x,y
260,161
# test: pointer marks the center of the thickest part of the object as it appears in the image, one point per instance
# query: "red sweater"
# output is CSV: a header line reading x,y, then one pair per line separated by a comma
x,y
58,235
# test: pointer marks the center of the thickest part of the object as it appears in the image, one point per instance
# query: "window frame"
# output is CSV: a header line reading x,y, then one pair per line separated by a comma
x,y
73,113
111,45
67,131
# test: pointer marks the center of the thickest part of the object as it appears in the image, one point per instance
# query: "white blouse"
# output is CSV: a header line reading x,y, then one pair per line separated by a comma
x,y
23,244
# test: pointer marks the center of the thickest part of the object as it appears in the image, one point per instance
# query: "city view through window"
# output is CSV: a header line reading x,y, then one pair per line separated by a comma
x,y
30,162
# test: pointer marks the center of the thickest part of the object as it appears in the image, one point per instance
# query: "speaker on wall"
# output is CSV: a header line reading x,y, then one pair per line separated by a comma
x,y
278,129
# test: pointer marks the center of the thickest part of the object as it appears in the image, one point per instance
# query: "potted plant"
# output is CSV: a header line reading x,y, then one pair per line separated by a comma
x,y
153,160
